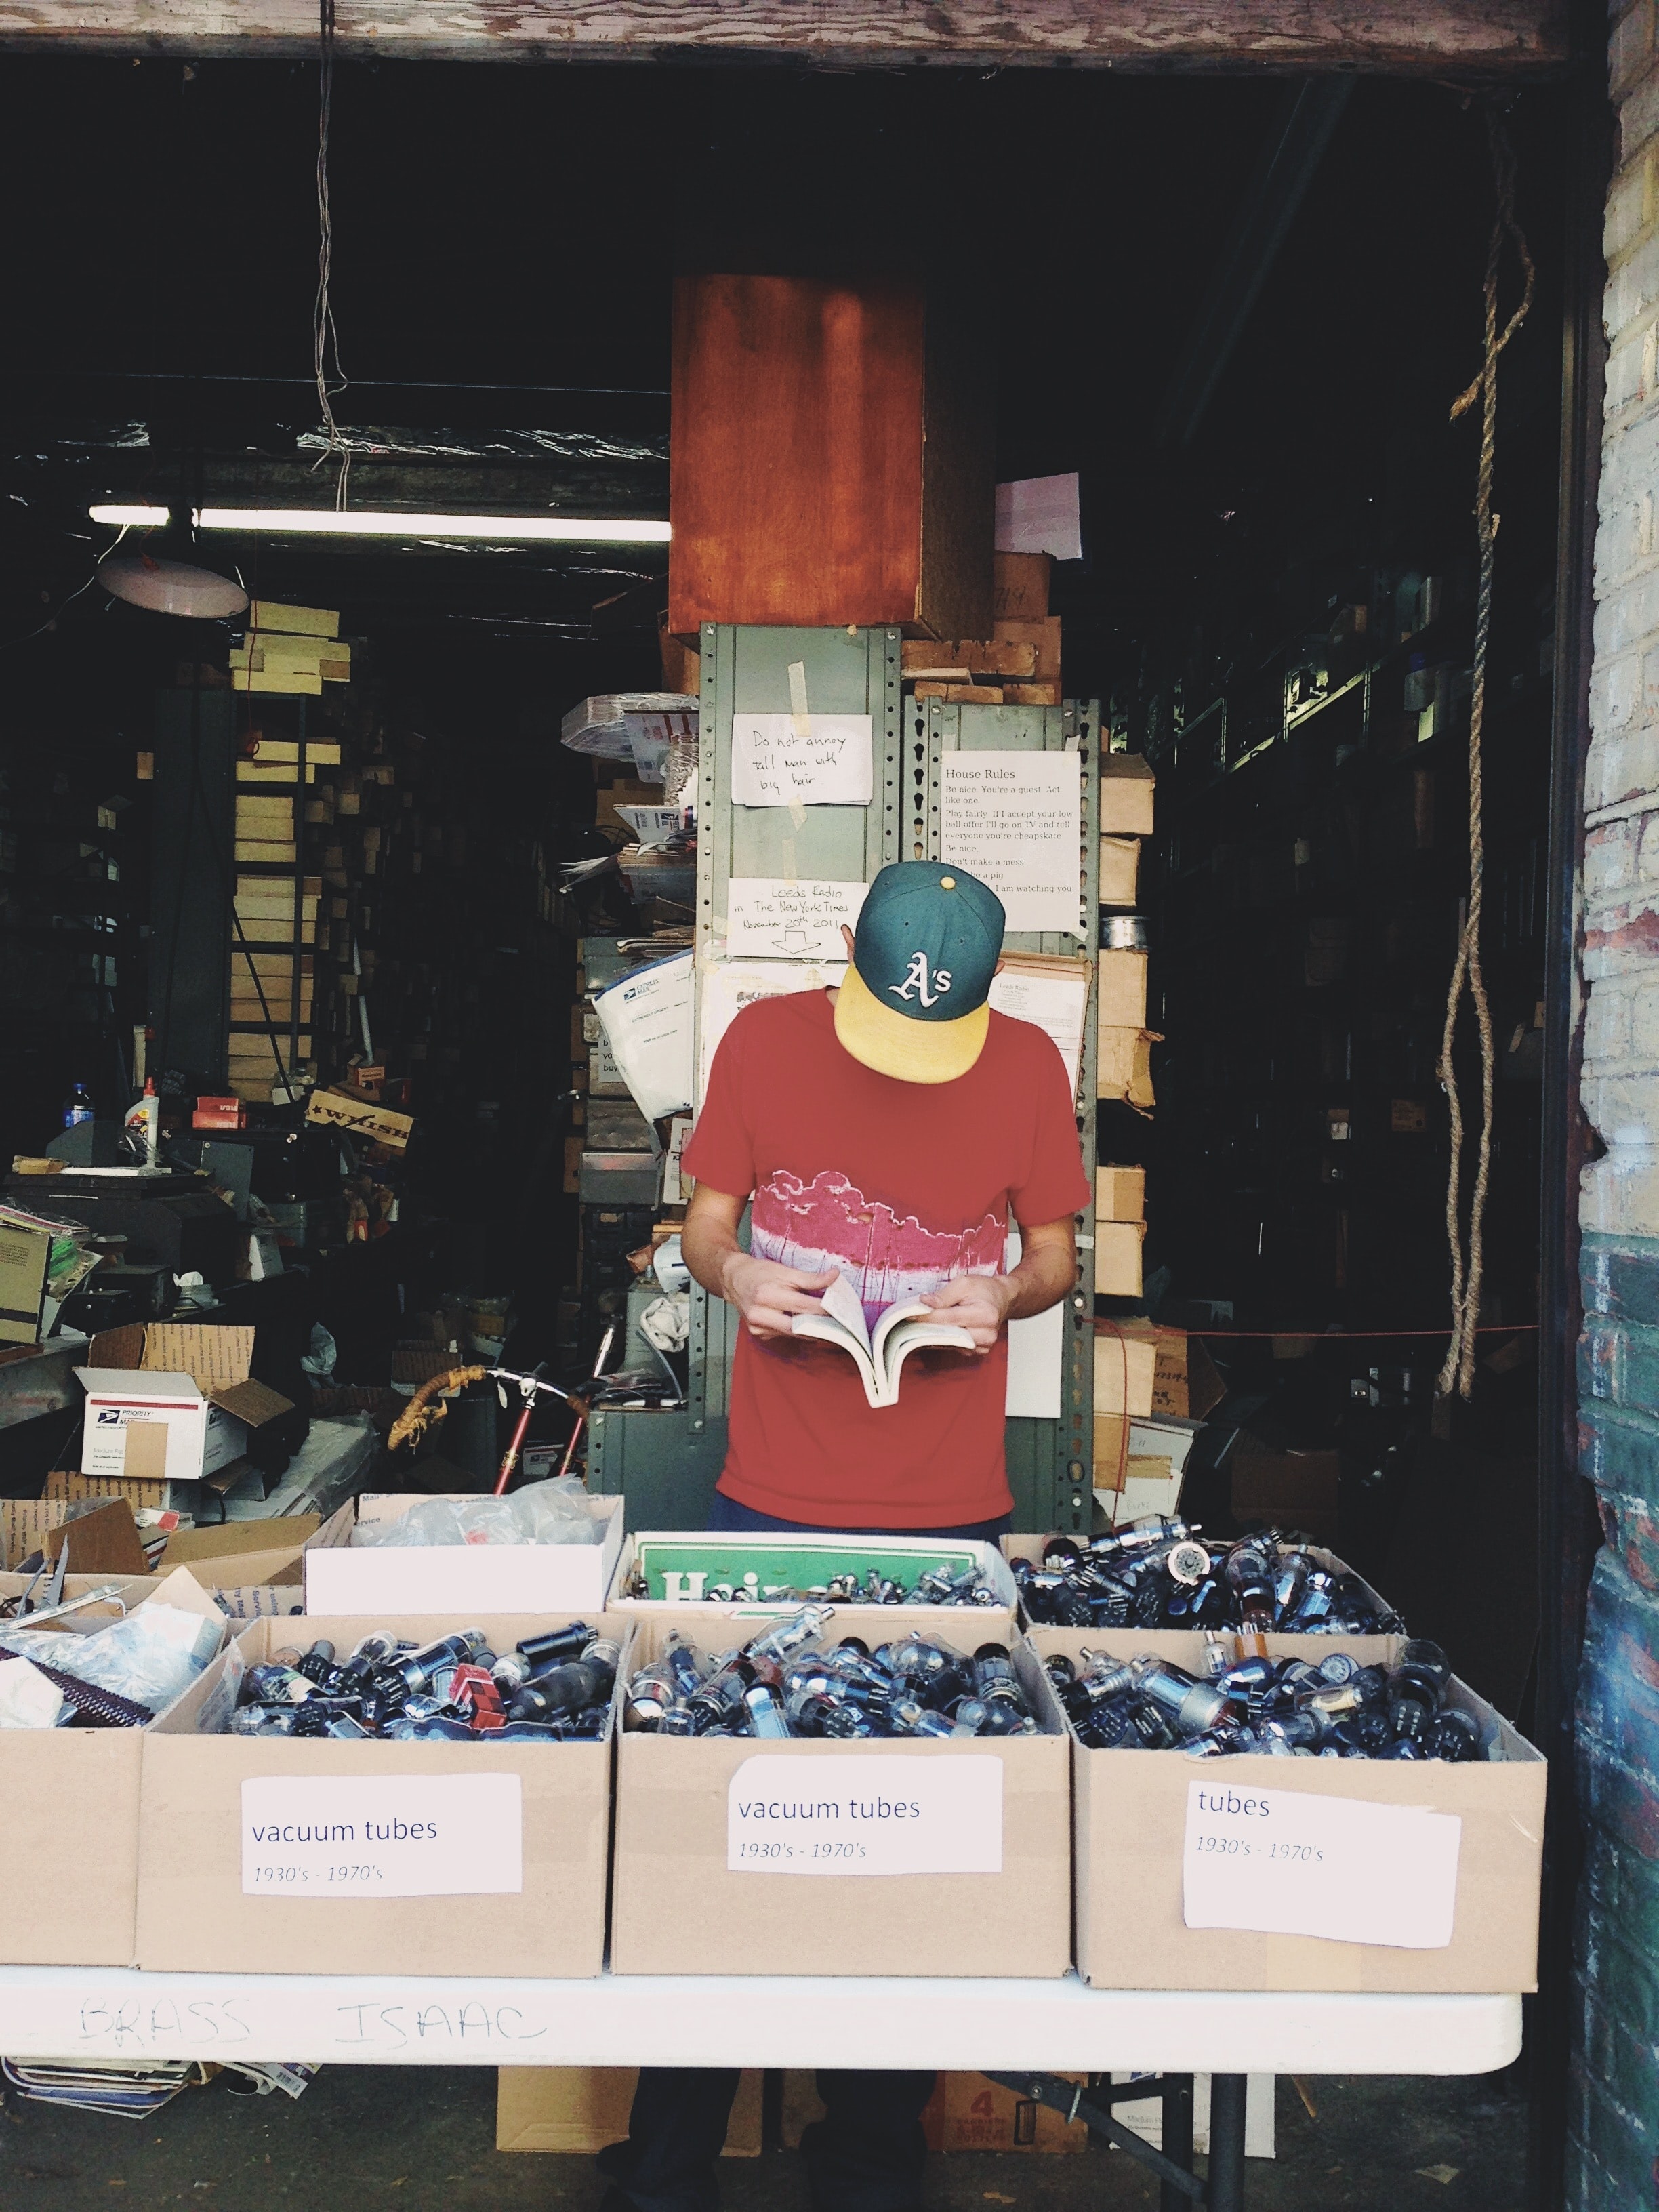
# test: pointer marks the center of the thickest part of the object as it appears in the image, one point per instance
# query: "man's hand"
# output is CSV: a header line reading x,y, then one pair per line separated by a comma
x,y
767,1294
979,1304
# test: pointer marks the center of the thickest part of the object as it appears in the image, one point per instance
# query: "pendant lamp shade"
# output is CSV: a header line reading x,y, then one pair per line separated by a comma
x,y
171,587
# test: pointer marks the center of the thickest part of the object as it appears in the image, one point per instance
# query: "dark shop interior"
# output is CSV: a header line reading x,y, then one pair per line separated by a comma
x,y
323,850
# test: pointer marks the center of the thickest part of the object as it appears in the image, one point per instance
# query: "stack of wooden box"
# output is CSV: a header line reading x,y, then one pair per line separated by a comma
x,y
1017,665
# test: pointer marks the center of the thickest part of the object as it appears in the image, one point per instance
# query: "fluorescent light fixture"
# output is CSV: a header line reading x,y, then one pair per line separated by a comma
x,y
132,518
367,522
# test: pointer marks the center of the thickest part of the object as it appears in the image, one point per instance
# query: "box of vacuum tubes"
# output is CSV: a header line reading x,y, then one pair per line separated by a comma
x,y
385,1801
478,1573
69,1782
1402,1855
914,1786
660,1570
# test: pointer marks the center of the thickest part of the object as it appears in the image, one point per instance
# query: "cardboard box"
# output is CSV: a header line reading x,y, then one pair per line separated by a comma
x,y
1120,870
1120,990
677,1569
194,1915
1286,1489
1126,1455
360,1117
172,1400
1131,1812
244,1554
965,2112
218,1114
1126,1367
71,1823
1185,1384
344,1576
1019,587
1120,1194
1127,784
674,1833
1123,1067
578,2110
1117,1258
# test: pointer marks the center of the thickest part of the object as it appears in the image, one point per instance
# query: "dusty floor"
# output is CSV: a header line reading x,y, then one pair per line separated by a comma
x,y
390,2139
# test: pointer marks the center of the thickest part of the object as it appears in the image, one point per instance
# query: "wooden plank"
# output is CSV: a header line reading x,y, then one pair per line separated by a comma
x,y
1482,38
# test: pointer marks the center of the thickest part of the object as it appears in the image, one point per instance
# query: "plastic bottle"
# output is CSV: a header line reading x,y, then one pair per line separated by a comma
x,y
78,1107
143,1124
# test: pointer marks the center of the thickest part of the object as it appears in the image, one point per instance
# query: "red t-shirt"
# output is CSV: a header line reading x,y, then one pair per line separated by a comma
x,y
898,1185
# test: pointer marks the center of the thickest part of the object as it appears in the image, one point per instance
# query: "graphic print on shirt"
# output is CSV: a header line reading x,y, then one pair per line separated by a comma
x,y
829,1223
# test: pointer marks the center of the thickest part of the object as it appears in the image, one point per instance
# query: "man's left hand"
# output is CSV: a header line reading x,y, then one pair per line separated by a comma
x,y
979,1304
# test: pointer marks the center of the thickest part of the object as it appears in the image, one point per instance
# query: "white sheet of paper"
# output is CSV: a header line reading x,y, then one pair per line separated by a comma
x,y
770,917
1037,1346
1040,514
1290,1863
647,1018
1015,820
828,761
849,1812
394,1835
1053,1004
727,986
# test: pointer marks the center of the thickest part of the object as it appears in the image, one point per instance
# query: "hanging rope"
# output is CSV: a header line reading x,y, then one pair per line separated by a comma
x,y
1467,1265
325,339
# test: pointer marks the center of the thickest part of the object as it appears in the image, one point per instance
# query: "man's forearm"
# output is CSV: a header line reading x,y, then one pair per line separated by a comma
x,y
1041,1279
707,1247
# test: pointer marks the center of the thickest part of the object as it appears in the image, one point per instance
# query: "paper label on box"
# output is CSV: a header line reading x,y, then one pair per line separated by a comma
x,y
402,1835
1288,1862
849,1813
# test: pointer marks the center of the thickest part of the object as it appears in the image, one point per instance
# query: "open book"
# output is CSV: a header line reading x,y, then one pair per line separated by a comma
x,y
880,1353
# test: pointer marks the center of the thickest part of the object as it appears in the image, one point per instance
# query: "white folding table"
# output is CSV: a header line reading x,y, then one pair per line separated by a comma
x,y
1019,2031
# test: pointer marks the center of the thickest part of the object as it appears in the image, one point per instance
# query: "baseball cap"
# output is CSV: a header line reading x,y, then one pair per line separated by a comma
x,y
913,1003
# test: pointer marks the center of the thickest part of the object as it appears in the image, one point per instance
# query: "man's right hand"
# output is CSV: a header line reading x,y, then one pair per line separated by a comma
x,y
768,1294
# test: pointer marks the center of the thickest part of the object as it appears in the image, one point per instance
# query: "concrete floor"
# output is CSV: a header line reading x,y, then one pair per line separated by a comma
x,y
412,2139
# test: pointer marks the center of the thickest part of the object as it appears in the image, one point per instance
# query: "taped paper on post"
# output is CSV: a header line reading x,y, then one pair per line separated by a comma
x,y
778,761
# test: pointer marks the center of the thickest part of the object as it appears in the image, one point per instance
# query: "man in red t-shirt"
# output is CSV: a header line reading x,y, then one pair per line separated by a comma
x,y
887,1133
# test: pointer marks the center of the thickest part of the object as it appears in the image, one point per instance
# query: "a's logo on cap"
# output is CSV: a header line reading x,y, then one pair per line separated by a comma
x,y
916,979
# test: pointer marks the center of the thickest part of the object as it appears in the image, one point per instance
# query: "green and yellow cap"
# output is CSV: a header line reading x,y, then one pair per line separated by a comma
x,y
914,1004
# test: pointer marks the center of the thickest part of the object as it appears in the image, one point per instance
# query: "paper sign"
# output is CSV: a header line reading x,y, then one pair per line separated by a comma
x,y
655,825
855,1814
1040,514
1015,820
827,761
400,1835
647,1017
1288,1862
728,986
769,916
1037,1353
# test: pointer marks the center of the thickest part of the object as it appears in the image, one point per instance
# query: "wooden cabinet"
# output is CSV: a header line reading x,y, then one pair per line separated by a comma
x,y
831,457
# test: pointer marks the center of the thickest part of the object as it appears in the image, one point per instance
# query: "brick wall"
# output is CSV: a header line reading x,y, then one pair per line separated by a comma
x,y
1613,2119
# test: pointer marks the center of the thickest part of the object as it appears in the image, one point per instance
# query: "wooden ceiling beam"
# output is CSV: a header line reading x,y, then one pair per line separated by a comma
x,y
1458,38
